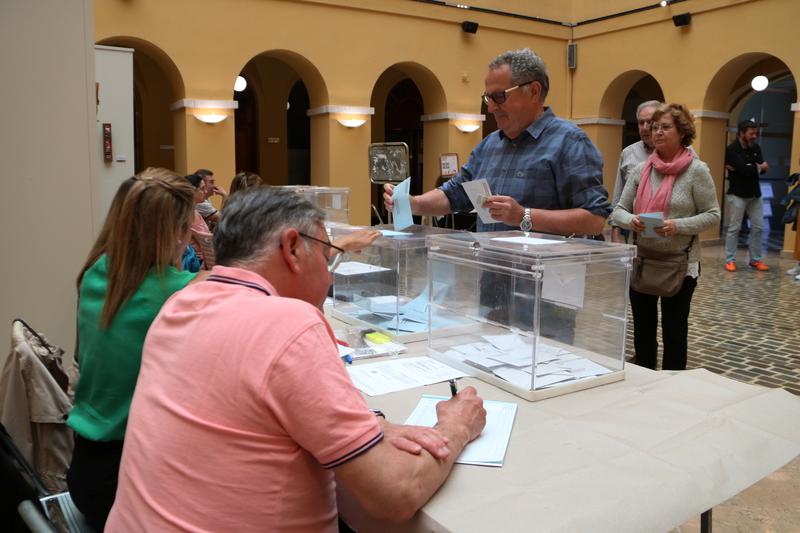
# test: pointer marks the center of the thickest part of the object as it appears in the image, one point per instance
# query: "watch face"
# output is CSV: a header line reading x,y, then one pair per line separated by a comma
x,y
525,225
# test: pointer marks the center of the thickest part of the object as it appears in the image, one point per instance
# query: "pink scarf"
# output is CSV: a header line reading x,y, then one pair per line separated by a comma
x,y
646,201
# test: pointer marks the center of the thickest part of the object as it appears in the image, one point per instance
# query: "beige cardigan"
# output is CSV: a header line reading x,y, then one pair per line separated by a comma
x,y
693,206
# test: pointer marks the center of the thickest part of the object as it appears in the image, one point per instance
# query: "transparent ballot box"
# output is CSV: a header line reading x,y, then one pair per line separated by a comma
x,y
335,201
545,315
385,286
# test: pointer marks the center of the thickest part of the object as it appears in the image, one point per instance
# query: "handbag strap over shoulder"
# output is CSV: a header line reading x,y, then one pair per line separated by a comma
x,y
685,251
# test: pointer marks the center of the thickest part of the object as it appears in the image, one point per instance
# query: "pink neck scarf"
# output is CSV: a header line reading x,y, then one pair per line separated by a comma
x,y
646,201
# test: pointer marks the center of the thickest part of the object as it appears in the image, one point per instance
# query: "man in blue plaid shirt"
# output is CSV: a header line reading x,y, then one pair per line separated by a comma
x,y
539,167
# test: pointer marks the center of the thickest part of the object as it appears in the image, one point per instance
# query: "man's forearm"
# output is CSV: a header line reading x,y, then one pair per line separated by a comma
x,y
393,485
575,221
433,202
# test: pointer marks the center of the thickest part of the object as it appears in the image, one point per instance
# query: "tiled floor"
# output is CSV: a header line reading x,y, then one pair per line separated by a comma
x,y
746,326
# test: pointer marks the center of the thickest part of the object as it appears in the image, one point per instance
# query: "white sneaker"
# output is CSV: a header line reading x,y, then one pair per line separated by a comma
x,y
797,277
794,271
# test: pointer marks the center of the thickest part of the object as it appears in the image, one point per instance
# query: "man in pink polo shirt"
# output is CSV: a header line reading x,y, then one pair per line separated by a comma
x,y
243,410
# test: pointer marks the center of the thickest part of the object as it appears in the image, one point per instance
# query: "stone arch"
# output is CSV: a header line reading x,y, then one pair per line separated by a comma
x,y
613,99
732,80
155,54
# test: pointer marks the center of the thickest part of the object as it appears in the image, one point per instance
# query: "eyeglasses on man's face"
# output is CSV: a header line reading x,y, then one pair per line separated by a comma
x,y
500,97
334,258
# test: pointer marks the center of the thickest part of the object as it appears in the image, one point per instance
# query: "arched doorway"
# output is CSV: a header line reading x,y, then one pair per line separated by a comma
x,y
274,139
402,123
246,130
731,90
646,89
618,105
157,84
401,95
298,135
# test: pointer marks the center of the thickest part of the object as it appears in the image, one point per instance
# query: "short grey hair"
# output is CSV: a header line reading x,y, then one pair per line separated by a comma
x,y
655,104
525,66
253,219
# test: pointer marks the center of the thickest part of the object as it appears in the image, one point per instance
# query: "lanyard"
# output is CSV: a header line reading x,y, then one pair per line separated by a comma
x,y
233,281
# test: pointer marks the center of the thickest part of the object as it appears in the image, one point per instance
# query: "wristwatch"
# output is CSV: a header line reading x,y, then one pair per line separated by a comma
x,y
526,224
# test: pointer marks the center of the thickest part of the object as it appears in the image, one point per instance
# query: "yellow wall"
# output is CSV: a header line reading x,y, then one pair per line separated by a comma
x,y
350,52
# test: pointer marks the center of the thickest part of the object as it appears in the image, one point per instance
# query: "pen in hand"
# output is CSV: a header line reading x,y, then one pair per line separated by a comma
x,y
453,389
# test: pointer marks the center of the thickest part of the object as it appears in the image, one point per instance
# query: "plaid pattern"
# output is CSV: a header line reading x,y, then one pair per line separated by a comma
x,y
551,165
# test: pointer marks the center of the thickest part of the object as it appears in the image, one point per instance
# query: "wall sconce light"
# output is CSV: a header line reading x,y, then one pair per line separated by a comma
x,y
208,111
351,122
209,118
467,128
759,83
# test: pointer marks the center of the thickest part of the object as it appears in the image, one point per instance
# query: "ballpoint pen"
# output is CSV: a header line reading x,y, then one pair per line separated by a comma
x,y
453,389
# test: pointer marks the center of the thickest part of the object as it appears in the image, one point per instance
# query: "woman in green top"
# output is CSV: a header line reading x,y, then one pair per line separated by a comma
x,y
130,273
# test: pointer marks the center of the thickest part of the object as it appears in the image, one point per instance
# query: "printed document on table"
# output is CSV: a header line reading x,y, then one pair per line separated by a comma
x,y
651,221
401,212
477,191
395,375
489,449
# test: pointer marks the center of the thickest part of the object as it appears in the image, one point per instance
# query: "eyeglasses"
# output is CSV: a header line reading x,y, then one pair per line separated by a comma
x,y
501,96
657,126
333,260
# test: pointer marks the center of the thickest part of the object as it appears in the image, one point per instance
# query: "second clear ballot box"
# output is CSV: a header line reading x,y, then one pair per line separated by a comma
x,y
335,201
541,315
385,286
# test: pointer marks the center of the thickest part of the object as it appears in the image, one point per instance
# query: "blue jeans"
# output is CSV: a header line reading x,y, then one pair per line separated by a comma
x,y
737,207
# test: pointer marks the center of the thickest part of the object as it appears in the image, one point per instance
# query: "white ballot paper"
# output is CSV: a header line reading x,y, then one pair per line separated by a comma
x,y
651,221
478,190
353,268
530,241
395,375
564,283
489,449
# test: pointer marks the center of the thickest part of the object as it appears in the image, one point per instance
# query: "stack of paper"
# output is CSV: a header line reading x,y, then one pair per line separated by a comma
x,y
510,357
489,449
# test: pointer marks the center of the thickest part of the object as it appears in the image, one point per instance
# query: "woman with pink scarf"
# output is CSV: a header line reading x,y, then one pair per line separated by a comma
x,y
680,187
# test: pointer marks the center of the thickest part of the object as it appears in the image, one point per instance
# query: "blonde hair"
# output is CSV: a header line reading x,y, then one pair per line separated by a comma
x,y
156,210
245,180
99,247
